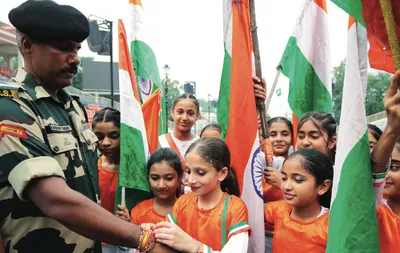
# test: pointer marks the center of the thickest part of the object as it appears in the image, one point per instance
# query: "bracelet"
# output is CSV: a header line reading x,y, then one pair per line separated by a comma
x,y
381,164
147,240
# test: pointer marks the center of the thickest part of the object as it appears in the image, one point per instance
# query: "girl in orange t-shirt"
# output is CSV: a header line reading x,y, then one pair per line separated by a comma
x,y
106,126
281,138
300,221
207,219
386,155
165,172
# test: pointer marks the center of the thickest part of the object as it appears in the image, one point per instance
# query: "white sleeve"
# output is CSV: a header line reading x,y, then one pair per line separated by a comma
x,y
237,244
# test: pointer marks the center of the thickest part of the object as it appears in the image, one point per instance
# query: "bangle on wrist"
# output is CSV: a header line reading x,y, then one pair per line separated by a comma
x,y
380,163
147,240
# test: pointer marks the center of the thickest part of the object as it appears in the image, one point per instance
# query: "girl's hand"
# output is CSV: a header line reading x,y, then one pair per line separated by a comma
x,y
173,236
123,213
259,91
147,226
273,177
392,105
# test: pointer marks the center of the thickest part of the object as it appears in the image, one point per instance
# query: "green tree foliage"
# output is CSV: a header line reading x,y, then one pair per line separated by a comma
x,y
378,83
174,90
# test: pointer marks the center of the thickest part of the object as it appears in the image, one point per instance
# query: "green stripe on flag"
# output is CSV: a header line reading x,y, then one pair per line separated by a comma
x,y
307,92
353,8
145,64
224,95
133,160
133,172
354,202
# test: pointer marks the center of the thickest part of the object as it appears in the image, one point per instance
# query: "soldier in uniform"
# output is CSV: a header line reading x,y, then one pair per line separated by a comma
x,y
49,190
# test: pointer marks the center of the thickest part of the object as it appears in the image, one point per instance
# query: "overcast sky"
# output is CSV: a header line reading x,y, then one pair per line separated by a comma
x,y
187,35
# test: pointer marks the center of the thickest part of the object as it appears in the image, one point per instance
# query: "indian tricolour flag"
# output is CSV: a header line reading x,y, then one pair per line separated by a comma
x,y
368,13
237,115
306,62
132,180
352,222
143,57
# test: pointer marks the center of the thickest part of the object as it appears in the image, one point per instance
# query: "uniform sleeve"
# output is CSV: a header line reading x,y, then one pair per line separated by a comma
x,y
238,243
24,154
238,218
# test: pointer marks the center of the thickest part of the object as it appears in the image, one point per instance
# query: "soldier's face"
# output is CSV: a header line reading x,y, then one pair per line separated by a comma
x,y
55,63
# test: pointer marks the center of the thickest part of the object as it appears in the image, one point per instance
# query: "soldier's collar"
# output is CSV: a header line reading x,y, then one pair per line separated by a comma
x,y
35,90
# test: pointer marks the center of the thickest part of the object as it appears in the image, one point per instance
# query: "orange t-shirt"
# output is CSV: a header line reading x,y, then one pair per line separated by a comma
x,y
291,235
211,227
108,181
145,213
389,229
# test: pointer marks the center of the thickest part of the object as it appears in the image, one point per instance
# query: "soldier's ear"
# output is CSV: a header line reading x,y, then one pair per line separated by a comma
x,y
26,44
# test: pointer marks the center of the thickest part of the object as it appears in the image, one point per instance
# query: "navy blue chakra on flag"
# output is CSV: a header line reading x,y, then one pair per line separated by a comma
x,y
257,172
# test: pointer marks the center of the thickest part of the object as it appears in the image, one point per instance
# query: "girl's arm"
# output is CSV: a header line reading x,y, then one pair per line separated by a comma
x,y
237,243
381,154
172,235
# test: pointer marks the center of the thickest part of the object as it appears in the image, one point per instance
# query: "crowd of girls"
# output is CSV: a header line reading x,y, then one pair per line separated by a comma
x,y
209,216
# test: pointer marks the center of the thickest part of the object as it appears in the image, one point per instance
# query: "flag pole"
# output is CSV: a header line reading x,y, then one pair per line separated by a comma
x,y
390,23
271,92
266,145
123,202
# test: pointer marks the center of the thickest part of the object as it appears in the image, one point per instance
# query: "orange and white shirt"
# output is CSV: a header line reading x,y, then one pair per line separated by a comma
x,y
291,235
223,228
388,221
145,213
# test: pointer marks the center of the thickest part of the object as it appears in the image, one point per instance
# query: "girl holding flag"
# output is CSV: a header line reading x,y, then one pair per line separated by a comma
x,y
385,161
165,172
208,218
106,126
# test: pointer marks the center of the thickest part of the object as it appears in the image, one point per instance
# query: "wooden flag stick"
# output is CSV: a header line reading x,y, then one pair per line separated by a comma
x,y
257,59
271,92
390,23
266,146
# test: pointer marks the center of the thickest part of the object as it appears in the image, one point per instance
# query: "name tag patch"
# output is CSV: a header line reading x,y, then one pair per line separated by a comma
x,y
59,129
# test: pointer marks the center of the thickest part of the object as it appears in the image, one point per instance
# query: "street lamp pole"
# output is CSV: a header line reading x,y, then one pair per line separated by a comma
x,y
166,72
209,108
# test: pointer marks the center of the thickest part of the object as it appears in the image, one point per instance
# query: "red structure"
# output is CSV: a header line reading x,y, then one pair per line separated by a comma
x,y
8,49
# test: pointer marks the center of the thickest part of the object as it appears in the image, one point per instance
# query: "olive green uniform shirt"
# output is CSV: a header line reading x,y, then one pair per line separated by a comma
x,y
42,136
